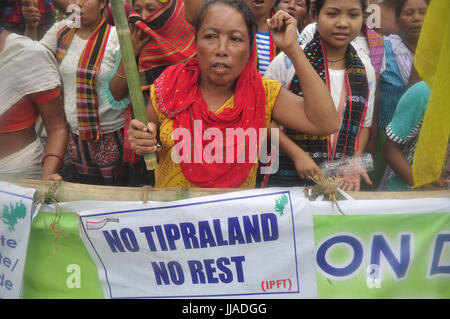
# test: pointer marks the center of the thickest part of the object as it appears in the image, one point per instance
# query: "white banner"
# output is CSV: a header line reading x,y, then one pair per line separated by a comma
x,y
250,244
214,246
15,224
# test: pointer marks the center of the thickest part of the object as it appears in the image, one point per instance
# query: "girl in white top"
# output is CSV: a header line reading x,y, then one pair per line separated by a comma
x,y
86,54
352,85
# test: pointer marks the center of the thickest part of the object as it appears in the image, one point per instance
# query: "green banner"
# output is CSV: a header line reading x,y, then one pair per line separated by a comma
x,y
383,256
58,265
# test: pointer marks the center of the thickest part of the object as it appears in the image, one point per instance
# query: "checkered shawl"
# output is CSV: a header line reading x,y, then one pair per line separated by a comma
x,y
172,41
87,70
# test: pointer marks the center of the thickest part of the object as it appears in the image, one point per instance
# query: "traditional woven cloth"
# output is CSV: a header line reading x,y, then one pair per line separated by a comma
x,y
88,67
172,40
318,147
98,162
376,46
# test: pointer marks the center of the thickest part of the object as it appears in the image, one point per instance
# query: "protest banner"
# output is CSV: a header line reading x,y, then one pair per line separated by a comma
x,y
210,247
262,243
272,243
15,223
383,249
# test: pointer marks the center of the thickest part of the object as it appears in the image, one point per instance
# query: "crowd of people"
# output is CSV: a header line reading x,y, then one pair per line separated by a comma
x,y
333,85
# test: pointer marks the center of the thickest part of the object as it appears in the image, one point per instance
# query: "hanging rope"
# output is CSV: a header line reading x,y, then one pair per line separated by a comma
x,y
49,198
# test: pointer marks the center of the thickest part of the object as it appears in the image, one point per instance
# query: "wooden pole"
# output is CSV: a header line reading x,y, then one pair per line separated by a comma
x,y
68,192
133,79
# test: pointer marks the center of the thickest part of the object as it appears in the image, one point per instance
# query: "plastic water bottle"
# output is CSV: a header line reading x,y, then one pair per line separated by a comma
x,y
350,166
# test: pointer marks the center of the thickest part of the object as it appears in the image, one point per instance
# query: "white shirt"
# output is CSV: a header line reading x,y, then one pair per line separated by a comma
x,y
110,120
337,78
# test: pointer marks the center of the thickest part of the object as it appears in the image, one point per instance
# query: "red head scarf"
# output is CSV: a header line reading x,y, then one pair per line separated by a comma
x,y
179,97
172,39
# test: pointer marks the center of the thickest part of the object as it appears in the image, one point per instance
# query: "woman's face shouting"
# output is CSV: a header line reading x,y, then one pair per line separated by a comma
x,y
223,45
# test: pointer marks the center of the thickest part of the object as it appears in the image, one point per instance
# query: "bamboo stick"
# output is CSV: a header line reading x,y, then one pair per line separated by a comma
x,y
133,79
74,192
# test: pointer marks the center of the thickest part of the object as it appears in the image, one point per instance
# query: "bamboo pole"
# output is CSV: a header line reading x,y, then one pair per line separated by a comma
x,y
67,192
133,79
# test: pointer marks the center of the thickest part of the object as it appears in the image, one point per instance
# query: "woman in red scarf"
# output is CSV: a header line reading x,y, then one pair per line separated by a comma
x,y
221,90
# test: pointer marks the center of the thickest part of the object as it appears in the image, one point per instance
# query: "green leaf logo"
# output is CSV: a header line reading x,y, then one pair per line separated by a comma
x,y
280,204
12,214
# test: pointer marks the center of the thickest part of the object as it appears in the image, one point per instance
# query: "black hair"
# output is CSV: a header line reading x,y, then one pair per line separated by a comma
x,y
308,5
3,5
240,5
105,7
389,3
307,2
400,4
320,4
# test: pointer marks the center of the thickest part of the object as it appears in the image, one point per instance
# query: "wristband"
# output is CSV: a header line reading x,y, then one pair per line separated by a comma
x,y
55,155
